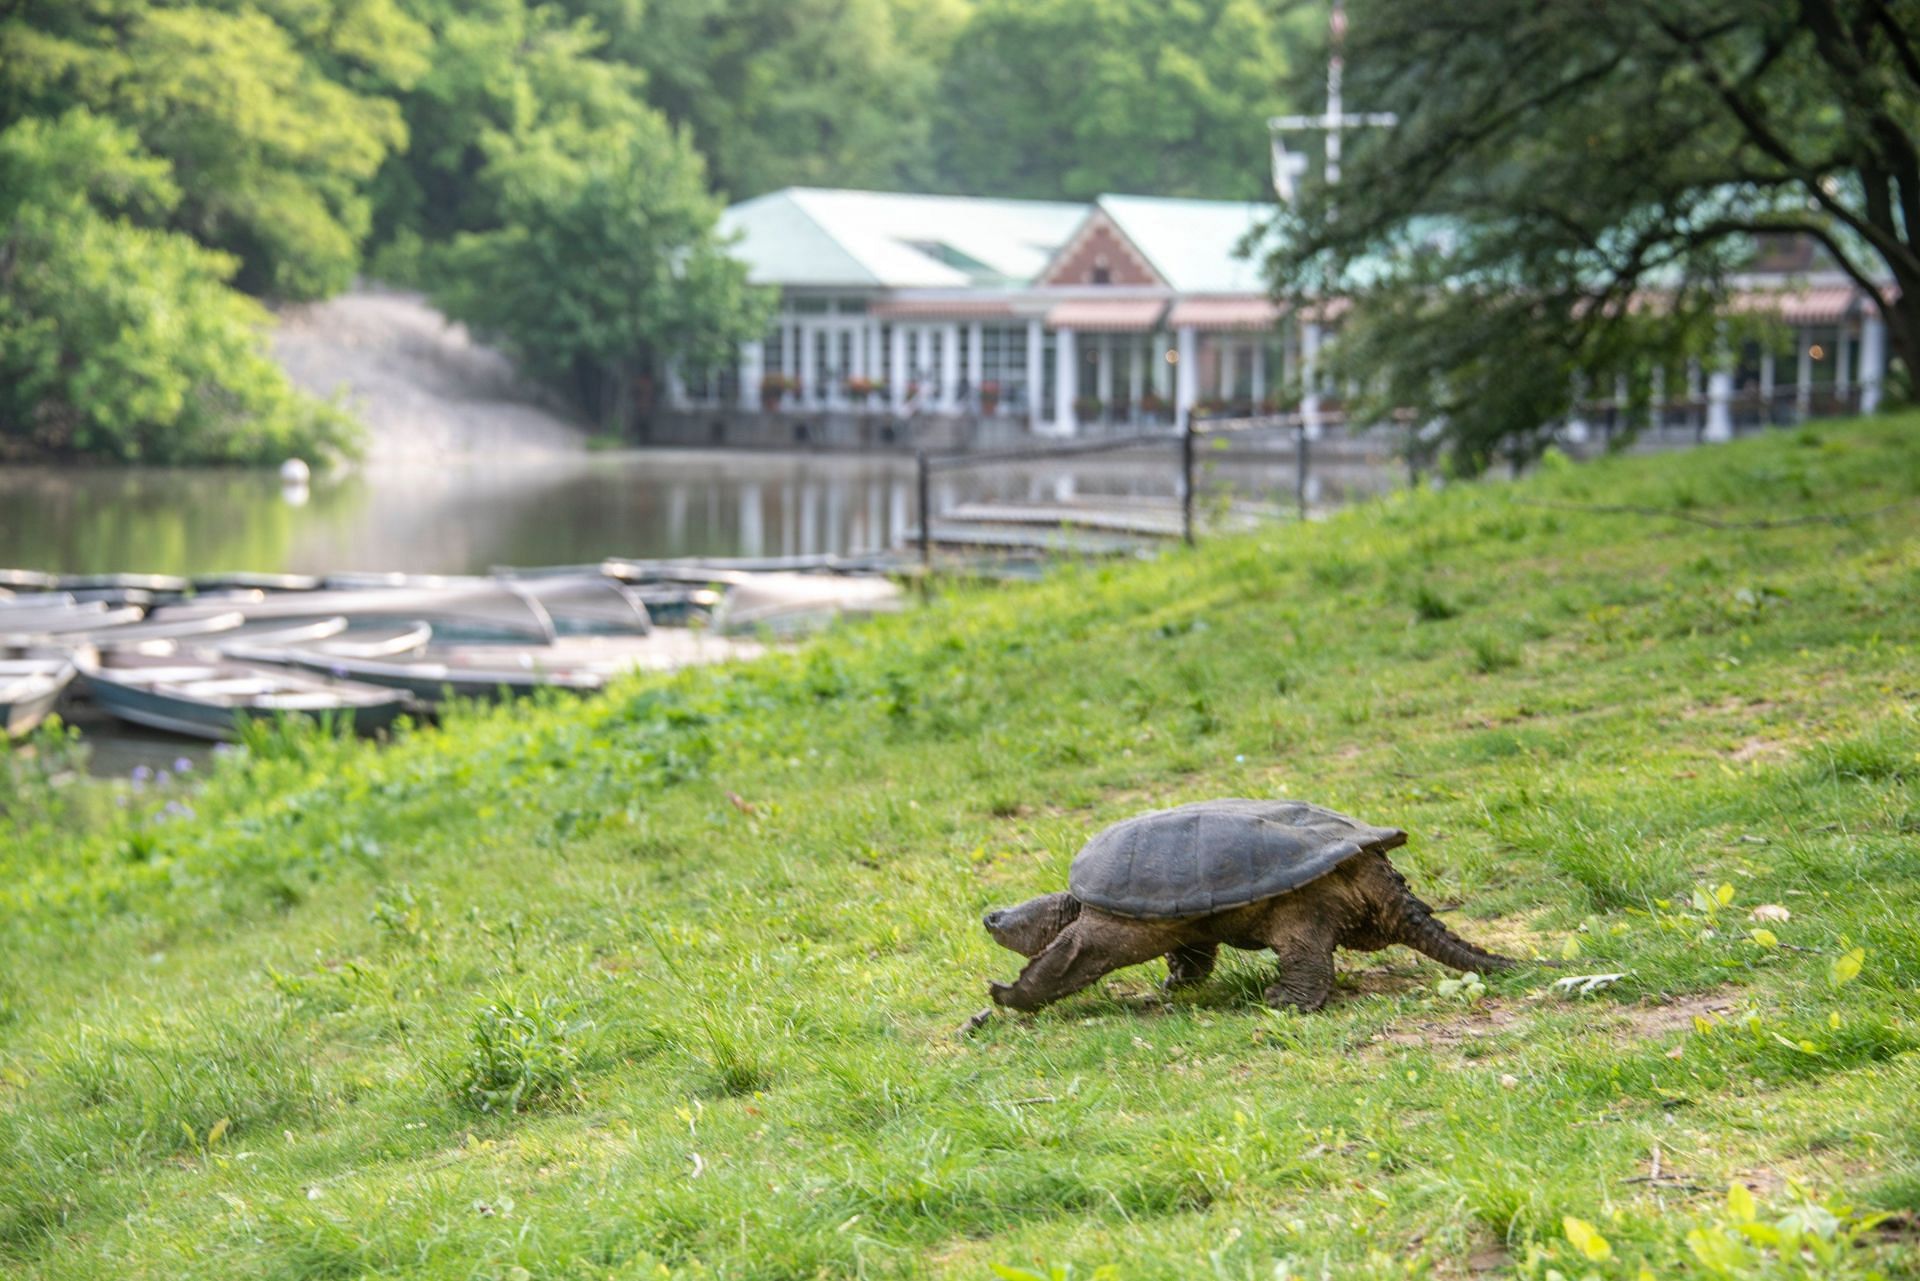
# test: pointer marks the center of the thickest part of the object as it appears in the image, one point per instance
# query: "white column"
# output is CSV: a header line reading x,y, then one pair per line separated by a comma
x,y
1720,405
950,368
1766,386
1657,393
1310,379
1137,374
876,361
1802,373
809,367
789,355
897,390
1066,380
1036,360
1164,374
1229,362
1843,363
1259,371
1186,375
1104,369
1873,361
923,361
1693,390
753,367
976,361
676,385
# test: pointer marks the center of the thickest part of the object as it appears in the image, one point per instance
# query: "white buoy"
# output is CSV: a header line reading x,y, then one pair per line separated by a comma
x,y
295,472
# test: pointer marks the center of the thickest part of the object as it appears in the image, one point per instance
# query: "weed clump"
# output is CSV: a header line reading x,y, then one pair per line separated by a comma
x,y
1492,653
1430,606
521,1054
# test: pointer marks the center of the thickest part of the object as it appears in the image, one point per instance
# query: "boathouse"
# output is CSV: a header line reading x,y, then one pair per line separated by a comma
x,y
900,312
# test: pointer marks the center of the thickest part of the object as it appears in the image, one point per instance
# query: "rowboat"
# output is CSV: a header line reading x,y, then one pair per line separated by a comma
x,y
158,584
30,626
247,579
488,673
29,688
213,697
789,604
581,604
272,642
150,636
486,609
34,600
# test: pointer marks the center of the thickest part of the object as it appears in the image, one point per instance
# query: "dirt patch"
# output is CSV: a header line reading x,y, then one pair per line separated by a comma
x,y
1649,1020
1731,706
1756,748
1641,1021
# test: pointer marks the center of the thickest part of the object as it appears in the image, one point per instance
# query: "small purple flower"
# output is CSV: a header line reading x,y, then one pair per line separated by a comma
x,y
176,809
181,765
141,773
162,779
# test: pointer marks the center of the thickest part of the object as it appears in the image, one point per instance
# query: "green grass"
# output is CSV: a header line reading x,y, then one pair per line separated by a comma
x,y
670,983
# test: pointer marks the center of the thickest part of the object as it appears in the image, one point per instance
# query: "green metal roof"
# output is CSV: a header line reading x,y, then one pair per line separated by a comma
x,y
806,236
1193,244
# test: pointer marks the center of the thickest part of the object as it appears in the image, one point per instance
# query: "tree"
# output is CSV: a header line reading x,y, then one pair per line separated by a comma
x,y
604,267
1571,185
271,114
501,72
1067,99
119,340
780,93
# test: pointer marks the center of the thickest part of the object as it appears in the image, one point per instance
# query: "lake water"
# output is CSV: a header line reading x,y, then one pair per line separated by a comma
x,y
468,516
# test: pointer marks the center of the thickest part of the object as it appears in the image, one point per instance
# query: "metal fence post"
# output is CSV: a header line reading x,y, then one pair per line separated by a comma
x,y
1186,482
926,510
1300,469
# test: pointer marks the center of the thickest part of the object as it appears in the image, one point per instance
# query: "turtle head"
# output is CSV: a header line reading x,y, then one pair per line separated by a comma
x,y
1027,928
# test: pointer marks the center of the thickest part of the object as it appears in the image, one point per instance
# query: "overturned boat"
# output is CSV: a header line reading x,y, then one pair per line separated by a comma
x,y
213,697
29,688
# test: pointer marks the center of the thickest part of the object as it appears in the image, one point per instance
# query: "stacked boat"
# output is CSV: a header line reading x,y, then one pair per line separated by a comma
x,y
204,657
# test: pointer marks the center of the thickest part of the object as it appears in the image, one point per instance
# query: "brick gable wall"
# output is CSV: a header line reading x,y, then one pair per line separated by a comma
x,y
1100,245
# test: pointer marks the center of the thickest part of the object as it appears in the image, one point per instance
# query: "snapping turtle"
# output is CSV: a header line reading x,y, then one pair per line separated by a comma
x,y
1177,883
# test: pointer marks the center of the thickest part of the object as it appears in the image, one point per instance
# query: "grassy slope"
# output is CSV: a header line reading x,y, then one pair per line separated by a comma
x,y
723,927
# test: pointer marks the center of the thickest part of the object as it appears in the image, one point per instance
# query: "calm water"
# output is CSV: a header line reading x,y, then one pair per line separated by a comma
x,y
469,516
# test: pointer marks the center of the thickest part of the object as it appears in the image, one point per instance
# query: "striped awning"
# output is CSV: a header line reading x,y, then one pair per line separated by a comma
x,y
1107,315
943,309
1223,313
1817,305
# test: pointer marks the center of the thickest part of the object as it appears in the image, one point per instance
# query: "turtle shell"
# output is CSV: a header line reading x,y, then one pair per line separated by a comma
x,y
1213,855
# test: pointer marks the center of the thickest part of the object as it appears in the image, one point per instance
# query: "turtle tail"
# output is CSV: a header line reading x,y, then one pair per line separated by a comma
x,y
1413,923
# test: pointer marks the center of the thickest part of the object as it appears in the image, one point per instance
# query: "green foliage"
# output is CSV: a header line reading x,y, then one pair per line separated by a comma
x,y
121,340
272,112
1068,99
778,93
606,263
1560,168
730,1027
521,1053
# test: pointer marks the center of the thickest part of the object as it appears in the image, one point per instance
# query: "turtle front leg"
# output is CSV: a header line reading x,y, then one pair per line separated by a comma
x,y
1095,945
1190,963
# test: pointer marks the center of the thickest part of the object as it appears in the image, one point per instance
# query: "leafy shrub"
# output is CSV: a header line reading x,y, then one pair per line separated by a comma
x,y
1432,607
520,1054
1492,653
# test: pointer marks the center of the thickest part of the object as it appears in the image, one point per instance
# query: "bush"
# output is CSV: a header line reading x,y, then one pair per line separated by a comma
x,y
520,1055
125,342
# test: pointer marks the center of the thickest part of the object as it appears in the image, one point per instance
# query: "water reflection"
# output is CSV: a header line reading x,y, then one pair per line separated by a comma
x,y
467,516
